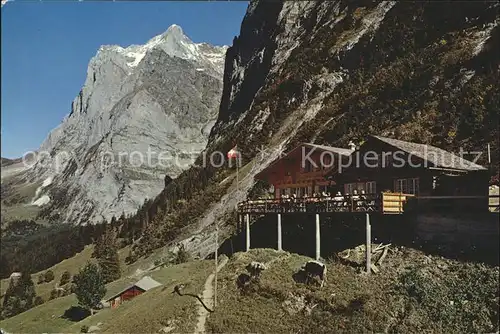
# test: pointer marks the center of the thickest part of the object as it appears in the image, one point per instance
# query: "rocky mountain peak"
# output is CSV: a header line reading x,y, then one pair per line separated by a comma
x,y
175,31
175,44
161,97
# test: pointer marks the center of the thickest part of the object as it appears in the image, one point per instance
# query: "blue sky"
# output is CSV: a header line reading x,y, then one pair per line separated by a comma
x,y
46,47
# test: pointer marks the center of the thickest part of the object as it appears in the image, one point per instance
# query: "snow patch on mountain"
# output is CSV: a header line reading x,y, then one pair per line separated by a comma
x,y
42,201
175,43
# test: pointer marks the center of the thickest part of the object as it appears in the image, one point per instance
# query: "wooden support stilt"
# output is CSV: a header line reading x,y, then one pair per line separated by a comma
x,y
368,244
318,239
280,245
247,231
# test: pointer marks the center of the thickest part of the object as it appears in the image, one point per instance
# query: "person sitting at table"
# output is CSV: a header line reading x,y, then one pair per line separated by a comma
x,y
362,201
339,200
355,199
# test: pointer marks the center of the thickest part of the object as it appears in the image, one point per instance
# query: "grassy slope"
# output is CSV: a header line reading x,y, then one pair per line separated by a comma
x,y
76,262
151,311
19,211
73,265
442,296
146,313
22,193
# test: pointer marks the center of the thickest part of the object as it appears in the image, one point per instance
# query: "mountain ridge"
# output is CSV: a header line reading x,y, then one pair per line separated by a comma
x,y
164,99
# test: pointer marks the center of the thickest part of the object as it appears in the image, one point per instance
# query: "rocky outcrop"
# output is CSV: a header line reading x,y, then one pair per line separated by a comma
x,y
143,114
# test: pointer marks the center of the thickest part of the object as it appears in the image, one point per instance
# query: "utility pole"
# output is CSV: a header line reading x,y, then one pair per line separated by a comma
x,y
237,174
216,251
368,244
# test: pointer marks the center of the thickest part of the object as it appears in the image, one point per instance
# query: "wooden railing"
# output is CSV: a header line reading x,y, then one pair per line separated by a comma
x,y
386,203
359,203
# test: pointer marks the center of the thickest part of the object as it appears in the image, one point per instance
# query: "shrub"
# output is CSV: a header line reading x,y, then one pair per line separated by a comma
x,y
84,329
54,293
182,255
65,278
41,279
465,301
38,301
49,276
131,257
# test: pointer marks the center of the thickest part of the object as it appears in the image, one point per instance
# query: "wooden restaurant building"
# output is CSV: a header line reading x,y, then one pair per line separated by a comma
x,y
382,176
381,168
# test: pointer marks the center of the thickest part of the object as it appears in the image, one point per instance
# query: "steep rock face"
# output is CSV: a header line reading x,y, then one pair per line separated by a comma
x,y
143,113
333,71
395,66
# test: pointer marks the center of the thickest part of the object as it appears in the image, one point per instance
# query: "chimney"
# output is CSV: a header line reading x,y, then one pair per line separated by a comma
x,y
352,146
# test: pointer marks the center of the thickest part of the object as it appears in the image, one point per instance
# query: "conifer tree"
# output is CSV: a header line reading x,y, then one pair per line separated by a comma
x,y
106,253
20,295
89,286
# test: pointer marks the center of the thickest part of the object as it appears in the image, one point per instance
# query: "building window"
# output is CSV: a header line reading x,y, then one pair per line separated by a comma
x,y
371,187
348,188
400,186
406,186
368,187
413,186
309,190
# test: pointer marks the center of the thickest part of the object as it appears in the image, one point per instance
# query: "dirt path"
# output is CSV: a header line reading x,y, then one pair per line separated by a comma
x,y
208,298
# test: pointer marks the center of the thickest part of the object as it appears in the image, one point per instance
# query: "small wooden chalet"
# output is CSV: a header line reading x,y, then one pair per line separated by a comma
x,y
144,284
302,170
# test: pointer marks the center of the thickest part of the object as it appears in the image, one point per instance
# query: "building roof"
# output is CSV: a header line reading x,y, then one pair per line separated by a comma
x,y
438,157
336,150
146,283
